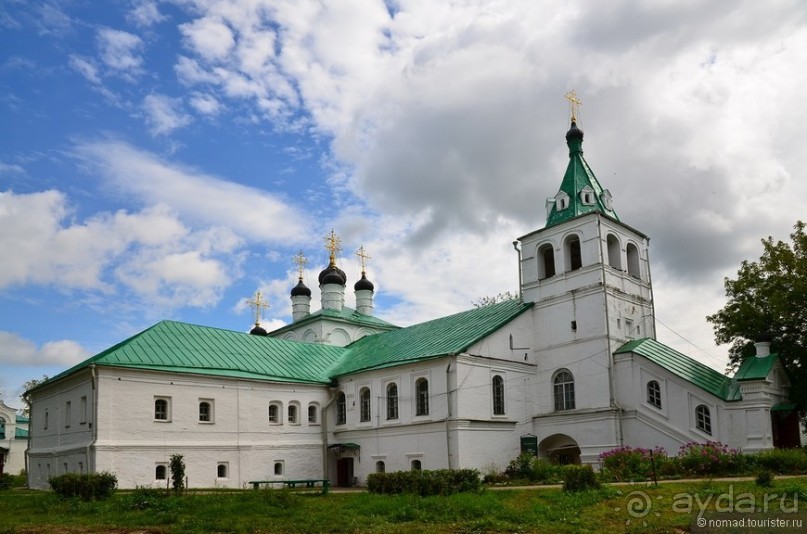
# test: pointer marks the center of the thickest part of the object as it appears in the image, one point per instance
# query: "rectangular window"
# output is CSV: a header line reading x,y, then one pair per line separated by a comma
x,y
83,412
629,333
45,422
67,414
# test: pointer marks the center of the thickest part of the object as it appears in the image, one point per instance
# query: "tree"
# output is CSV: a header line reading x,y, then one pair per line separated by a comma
x,y
768,302
27,386
481,302
177,473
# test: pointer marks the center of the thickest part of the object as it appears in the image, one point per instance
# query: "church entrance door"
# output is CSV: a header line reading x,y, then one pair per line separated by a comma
x,y
344,472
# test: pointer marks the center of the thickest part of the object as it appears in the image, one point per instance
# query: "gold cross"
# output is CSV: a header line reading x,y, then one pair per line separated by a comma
x,y
361,253
332,246
574,104
301,262
259,305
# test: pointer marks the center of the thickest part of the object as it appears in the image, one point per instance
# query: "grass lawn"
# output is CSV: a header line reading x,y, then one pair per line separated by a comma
x,y
671,507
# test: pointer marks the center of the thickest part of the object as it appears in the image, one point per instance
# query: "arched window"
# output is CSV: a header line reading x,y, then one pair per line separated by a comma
x,y
498,395
572,255
161,409
380,467
293,414
416,465
654,394
312,414
274,413
364,404
614,253
633,260
563,385
205,413
546,261
703,419
160,472
341,408
2,428
422,397
392,401
278,468
221,471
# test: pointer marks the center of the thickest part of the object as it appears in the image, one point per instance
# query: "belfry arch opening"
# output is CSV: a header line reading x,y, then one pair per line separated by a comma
x,y
546,261
632,252
614,256
572,255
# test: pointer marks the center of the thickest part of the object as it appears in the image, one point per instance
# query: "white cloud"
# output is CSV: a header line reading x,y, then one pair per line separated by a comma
x,y
10,168
85,67
145,13
120,51
19,351
205,104
249,212
164,114
209,37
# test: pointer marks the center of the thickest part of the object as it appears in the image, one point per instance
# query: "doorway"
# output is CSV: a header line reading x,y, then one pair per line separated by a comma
x,y
344,472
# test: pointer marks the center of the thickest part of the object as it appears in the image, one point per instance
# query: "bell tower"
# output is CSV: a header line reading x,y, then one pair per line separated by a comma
x,y
588,274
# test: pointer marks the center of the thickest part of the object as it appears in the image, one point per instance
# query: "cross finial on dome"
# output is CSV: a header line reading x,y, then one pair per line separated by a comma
x,y
574,104
301,262
332,245
259,305
361,253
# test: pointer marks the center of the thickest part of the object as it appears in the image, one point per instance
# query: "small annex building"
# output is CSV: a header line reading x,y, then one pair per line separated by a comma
x,y
13,440
569,370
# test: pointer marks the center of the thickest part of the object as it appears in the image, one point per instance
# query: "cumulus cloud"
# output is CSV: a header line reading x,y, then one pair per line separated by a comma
x,y
253,213
86,67
120,51
17,350
145,13
164,114
150,255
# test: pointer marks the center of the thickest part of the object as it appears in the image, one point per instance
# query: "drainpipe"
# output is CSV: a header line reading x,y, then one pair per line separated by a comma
x,y
324,426
94,422
518,253
449,414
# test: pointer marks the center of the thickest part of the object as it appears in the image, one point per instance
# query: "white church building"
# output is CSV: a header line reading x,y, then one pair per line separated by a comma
x,y
568,370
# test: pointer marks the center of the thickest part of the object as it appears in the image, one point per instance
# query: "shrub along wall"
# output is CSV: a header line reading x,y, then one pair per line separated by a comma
x,y
88,487
425,483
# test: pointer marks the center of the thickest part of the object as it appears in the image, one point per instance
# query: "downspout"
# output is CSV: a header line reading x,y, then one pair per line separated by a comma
x,y
650,284
520,290
94,422
449,413
612,398
324,426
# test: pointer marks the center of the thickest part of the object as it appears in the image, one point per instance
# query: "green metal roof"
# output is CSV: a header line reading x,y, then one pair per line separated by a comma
x,y
20,433
439,337
685,367
578,176
184,348
754,368
345,314
21,419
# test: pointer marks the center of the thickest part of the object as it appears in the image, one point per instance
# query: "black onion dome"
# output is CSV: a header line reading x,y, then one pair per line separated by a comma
x,y
258,330
300,290
364,283
332,275
574,133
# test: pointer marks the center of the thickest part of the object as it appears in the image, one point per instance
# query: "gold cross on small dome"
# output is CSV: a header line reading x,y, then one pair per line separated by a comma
x,y
574,104
259,304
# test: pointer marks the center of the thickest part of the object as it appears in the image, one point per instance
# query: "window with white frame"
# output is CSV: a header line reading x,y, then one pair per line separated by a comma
x,y
313,411
563,385
161,472
341,408
205,411
421,397
703,419
416,465
392,400
162,409
294,413
221,470
274,413
498,395
654,393
365,404
380,467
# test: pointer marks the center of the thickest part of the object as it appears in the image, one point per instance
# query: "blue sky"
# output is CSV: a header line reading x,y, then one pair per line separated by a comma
x,y
165,159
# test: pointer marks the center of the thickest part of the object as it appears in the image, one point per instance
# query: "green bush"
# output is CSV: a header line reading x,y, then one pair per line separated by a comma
x,y
764,479
782,461
425,483
177,466
521,467
6,481
544,471
86,486
627,463
579,478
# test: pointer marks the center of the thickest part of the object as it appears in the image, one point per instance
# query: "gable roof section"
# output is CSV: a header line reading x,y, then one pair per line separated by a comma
x,y
348,315
754,368
685,367
432,339
184,348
